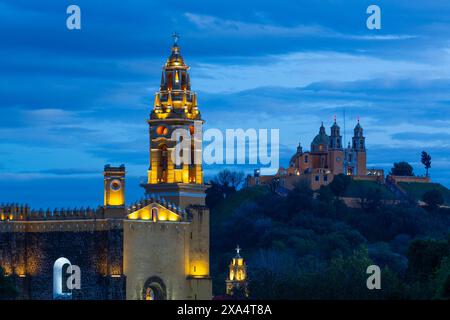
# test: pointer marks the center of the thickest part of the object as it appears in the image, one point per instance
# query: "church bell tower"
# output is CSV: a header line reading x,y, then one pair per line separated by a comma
x,y
237,282
175,132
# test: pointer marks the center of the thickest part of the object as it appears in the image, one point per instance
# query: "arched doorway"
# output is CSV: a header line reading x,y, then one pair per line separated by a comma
x,y
58,266
154,289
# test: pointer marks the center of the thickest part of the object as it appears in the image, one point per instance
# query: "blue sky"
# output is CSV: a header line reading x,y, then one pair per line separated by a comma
x,y
71,101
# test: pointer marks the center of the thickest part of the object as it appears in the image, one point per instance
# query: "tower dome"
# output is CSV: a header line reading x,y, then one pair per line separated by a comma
x,y
175,98
321,141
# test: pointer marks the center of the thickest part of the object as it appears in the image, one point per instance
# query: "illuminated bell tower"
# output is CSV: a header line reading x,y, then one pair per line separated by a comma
x,y
175,171
237,282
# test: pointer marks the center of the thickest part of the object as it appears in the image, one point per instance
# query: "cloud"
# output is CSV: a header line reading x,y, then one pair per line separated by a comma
x,y
299,69
62,172
222,27
440,138
73,101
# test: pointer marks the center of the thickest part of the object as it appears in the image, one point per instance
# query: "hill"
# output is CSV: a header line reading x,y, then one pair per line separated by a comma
x,y
357,186
417,189
303,246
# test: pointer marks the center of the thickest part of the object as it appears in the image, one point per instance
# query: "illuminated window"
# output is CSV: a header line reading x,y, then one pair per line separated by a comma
x,y
162,130
154,214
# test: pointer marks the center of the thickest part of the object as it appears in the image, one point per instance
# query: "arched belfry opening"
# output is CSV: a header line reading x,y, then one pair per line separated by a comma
x,y
163,163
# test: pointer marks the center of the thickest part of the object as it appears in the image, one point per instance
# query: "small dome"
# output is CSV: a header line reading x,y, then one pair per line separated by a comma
x,y
321,139
175,60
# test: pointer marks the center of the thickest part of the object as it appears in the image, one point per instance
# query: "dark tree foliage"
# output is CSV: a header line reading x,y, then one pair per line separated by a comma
x,y
229,178
214,194
309,245
426,161
370,199
433,199
223,184
402,169
7,289
340,184
425,256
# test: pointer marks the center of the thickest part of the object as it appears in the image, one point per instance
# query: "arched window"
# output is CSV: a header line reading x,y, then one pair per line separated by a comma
x,y
163,163
154,214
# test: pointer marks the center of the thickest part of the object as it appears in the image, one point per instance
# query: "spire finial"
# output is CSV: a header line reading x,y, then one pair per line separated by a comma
x,y
175,37
358,119
334,118
238,249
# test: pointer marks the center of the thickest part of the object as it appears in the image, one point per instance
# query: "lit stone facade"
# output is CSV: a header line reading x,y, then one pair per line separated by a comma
x,y
157,248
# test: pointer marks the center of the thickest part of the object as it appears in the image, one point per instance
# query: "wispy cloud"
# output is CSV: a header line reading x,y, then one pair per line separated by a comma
x,y
303,68
218,26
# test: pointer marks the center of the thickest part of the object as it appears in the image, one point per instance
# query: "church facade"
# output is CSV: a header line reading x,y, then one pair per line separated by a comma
x,y
157,248
326,158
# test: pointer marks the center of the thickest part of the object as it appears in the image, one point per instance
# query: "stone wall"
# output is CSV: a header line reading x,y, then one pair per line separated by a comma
x,y
28,257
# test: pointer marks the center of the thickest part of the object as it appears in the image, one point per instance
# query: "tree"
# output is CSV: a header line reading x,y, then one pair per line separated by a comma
x,y
433,198
370,199
426,161
214,194
340,184
228,178
442,279
425,256
273,185
402,169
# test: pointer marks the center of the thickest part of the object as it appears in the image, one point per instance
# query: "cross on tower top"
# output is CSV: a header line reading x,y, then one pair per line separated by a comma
x,y
238,249
175,37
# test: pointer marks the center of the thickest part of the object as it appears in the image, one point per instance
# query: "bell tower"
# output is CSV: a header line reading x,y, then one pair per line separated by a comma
x,y
359,148
175,135
237,282
336,153
114,191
